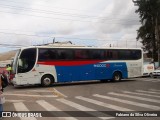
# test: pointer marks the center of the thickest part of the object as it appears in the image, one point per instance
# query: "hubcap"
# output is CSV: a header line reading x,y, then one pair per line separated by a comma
x,y
117,77
47,81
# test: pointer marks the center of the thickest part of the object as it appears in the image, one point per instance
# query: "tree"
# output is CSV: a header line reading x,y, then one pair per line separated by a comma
x,y
149,31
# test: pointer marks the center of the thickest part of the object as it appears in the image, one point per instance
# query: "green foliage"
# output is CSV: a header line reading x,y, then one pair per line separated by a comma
x,y
149,13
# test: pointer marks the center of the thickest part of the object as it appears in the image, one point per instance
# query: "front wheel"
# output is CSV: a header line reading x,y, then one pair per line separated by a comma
x,y
46,80
116,77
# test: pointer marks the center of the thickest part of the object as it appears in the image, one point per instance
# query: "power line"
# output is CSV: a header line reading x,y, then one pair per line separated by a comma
x,y
115,40
12,45
64,14
23,34
4,32
59,13
46,6
64,19
11,1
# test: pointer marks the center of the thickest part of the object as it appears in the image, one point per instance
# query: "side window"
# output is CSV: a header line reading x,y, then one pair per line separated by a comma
x,y
115,54
124,55
65,54
47,54
82,54
136,54
107,54
111,54
97,54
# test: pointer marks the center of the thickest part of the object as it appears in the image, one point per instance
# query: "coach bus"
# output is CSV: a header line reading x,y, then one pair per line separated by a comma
x,y
46,65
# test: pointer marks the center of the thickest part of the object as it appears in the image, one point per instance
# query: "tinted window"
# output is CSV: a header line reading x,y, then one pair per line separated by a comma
x,y
86,54
111,54
124,55
27,60
47,54
97,54
65,54
82,54
136,54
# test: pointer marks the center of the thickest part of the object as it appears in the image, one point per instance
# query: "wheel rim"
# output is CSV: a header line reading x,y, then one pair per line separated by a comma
x,y
117,77
47,81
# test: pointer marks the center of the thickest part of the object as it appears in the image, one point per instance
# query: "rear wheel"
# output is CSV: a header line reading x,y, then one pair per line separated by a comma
x,y
117,77
47,80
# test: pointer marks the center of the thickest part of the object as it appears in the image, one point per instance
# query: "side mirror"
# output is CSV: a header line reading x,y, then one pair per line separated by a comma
x,y
20,62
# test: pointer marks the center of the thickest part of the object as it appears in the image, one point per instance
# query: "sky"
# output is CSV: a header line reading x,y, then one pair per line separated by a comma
x,y
98,23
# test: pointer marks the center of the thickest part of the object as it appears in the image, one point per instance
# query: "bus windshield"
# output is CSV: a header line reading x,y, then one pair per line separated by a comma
x,y
26,60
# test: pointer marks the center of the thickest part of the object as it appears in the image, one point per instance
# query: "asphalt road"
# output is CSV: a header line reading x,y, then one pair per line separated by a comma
x,y
87,100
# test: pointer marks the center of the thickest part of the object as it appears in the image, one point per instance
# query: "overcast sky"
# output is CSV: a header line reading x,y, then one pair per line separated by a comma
x,y
84,22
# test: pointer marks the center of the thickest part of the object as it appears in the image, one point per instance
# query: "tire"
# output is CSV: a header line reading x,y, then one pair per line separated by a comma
x,y
117,76
151,75
47,80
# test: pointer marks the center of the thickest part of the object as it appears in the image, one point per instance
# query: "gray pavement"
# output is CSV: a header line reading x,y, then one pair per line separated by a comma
x,y
86,99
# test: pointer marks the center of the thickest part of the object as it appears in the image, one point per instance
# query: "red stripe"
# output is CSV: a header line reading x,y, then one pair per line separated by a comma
x,y
69,63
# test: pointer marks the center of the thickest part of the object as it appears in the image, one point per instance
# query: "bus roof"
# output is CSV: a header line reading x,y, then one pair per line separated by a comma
x,y
80,47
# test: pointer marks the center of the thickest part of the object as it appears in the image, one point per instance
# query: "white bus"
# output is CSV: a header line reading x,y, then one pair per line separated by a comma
x,y
46,65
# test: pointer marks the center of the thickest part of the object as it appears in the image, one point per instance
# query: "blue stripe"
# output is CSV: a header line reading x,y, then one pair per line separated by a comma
x,y
90,72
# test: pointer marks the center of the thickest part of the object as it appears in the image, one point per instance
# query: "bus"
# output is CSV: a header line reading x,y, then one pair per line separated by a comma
x,y
45,65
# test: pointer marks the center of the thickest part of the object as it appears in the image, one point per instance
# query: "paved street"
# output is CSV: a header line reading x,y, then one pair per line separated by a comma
x,y
138,94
